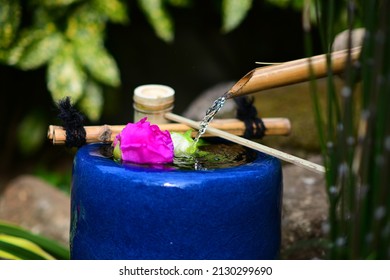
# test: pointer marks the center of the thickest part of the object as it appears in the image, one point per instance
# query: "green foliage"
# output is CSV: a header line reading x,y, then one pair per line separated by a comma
x,y
92,101
297,4
10,15
57,3
98,62
356,143
31,132
68,37
115,10
40,51
65,76
233,13
18,243
159,18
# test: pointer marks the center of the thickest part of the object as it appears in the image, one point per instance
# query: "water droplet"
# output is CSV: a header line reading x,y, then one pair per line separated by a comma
x,y
380,213
346,92
343,168
351,140
325,227
333,190
340,127
341,241
387,143
330,145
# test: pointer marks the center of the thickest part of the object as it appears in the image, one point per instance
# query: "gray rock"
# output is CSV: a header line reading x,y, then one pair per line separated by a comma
x,y
36,205
305,210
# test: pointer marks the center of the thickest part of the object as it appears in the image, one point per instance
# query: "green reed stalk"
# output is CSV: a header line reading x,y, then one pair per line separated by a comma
x,y
356,142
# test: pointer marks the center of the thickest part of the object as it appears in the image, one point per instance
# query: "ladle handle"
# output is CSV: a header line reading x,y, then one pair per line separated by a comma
x,y
291,72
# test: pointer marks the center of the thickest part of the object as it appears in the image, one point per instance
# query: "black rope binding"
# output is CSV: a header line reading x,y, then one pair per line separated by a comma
x,y
247,113
72,122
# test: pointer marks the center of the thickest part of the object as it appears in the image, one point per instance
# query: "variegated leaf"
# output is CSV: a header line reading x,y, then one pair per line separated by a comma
x,y
86,23
41,51
99,63
115,10
233,12
57,3
91,104
23,245
65,76
159,18
10,15
26,38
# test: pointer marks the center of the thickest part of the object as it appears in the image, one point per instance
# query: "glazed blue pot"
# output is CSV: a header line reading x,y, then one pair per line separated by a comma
x,y
122,212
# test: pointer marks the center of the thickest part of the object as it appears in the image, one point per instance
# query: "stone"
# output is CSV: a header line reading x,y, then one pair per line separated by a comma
x,y
305,211
33,204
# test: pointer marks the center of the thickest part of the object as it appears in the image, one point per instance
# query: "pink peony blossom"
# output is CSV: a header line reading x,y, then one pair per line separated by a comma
x,y
144,143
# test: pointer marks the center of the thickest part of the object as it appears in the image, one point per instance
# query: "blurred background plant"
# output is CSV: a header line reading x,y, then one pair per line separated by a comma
x,y
77,48
354,131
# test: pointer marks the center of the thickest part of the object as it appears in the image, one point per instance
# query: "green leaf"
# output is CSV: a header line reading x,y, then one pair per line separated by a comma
x,y
26,38
51,247
41,51
19,252
183,144
31,132
117,153
57,3
8,256
296,4
65,76
86,24
159,18
115,10
180,3
10,15
21,244
3,56
233,13
99,63
91,104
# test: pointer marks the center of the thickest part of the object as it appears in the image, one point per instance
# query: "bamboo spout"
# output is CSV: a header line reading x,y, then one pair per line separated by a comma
x,y
290,72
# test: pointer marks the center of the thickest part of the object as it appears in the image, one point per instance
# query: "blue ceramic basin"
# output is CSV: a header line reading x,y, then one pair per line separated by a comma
x,y
122,212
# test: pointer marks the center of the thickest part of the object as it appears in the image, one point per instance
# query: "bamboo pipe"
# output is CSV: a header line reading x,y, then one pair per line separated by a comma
x,y
291,72
107,133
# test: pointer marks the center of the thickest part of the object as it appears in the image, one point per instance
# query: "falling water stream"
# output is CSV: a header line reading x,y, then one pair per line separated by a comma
x,y
210,114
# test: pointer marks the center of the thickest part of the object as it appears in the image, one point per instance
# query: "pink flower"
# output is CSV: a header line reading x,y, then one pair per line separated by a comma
x,y
144,143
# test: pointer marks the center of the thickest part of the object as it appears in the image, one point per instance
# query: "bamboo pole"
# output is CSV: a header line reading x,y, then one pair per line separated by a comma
x,y
291,72
250,144
107,133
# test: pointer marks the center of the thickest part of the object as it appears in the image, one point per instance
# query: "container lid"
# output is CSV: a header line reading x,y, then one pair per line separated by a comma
x,y
154,95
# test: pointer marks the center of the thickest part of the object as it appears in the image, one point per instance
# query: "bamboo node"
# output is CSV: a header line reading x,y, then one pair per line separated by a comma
x,y
105,133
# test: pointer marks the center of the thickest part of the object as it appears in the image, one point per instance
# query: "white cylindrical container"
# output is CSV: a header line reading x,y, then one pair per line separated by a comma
x,y
153,101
